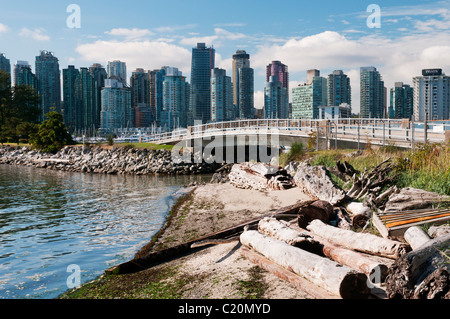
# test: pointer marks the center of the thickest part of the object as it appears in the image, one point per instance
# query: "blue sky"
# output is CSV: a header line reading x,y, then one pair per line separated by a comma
x,y
325,35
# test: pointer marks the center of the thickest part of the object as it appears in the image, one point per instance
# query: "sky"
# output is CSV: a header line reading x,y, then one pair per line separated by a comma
x,y
404,38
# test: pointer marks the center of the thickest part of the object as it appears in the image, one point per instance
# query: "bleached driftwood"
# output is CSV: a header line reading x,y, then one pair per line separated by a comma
x,y
412,199
416,237
363,242
339,280
314,181
303,239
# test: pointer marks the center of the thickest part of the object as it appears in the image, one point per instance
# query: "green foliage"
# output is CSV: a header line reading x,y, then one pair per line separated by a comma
x,y
18,108
296,153
52,134
110,139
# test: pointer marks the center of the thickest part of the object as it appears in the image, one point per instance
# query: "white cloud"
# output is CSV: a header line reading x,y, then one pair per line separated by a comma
x,y
130,34
137,54
3,28
37,34
173,28
216,39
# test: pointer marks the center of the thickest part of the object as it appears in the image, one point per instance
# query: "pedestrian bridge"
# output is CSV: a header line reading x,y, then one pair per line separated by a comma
x,y
352,133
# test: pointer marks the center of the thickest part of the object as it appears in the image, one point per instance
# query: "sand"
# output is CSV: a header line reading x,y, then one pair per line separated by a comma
x,y
214,207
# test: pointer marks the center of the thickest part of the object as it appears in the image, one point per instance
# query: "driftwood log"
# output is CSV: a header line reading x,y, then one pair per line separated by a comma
x,y
416,237
259,176
412,199
363,242
360,213
371,181
421,273
280,230
319,209
337,279
314,181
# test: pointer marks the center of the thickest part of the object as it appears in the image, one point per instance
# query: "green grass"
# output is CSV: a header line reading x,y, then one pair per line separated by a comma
x,y
255,286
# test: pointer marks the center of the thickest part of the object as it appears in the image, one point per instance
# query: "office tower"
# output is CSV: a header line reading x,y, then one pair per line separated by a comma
x,y
372,93
276,100
140,87
5,65
401,101
156,93
174,113
48,75
431,95
143,116
116,111
243,85
100,75
24,76
87,102
280,71
70,76
308,98
203,60
117,70
221,96
339,89
310,74
343,111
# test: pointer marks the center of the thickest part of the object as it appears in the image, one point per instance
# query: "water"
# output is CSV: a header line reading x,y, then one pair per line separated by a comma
x,y
50,220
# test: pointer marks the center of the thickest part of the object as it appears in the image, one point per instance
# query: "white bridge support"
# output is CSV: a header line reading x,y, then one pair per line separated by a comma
x,y
396,132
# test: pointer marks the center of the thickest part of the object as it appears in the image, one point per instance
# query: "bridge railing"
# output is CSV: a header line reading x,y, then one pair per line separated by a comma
x,y
361,130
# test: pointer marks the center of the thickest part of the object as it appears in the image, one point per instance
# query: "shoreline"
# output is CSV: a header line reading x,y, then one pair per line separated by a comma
x,y
105,160
213,272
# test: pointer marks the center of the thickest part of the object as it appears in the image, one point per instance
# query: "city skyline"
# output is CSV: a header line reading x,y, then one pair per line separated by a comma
x,y
331,36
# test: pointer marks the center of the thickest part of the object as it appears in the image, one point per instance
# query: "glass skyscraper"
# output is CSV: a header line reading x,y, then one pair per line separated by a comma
x,y
175,99
5,65
276,99
156,93
243,85
203,61
372,93
401,101
48,75
221,96
308,98
339,89
24,76
116,111
118,70
70,76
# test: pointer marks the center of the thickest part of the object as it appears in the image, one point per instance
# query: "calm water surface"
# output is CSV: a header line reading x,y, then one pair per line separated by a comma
x,y
50,220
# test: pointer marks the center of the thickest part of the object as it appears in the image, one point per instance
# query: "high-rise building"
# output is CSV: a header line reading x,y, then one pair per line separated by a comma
x,y
401,101
86,92
49,80
372,93
174,113
100,75
140,88
276,99
280,71
5,65
431,95
203,61
310,74
70,76
156,93
118,70
221,96
24,76
243,85
308,98
116,110
339,89
143,116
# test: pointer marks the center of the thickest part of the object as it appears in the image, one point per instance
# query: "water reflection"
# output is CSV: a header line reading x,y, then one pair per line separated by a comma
x,y
51,219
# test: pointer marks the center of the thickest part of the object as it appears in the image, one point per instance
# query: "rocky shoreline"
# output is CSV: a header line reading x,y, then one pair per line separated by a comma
x,y
97,159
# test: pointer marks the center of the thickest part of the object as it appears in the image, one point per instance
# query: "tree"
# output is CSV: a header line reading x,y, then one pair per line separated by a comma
x,y
52,134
